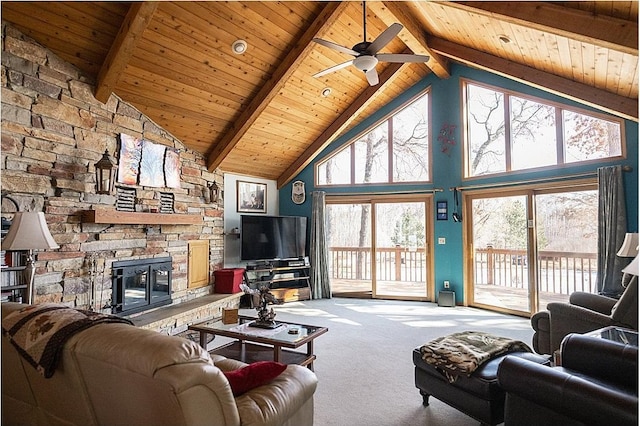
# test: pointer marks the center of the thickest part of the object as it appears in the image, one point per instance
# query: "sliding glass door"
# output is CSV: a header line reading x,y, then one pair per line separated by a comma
x,y
500,241
400,250
379,247
567,244
531,247
349,239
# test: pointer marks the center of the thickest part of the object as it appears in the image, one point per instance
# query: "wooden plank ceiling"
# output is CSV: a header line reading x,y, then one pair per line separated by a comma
x,y
263,114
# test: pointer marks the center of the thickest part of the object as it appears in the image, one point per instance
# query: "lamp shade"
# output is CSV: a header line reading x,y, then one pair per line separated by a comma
x,y
633,268
629,246
29,231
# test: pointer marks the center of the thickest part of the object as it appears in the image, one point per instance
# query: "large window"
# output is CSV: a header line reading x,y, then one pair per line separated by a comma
x,y
507,132
393,151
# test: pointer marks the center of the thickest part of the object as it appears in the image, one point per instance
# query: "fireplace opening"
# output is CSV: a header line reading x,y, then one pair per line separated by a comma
x,y
141,284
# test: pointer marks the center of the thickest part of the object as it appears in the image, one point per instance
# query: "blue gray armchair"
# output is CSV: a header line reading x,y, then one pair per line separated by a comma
x,y
585,312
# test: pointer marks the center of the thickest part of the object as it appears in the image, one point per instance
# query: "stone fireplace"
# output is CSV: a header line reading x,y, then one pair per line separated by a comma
x,y
141,284
53,133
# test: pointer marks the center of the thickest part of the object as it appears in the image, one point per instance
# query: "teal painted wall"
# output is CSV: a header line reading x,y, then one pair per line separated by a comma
x,y
447,169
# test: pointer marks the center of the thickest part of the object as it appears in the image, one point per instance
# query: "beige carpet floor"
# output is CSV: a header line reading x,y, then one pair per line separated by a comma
x,y
364,365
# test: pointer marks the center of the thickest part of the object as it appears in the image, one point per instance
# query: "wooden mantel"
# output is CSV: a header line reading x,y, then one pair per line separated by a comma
x,y
112,216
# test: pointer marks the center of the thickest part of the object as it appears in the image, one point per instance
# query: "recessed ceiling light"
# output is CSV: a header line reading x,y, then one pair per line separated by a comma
x,y
239,47
504,38
326,91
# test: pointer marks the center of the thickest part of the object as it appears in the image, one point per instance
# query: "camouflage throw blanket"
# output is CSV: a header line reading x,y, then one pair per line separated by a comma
x,y
39,331
462,353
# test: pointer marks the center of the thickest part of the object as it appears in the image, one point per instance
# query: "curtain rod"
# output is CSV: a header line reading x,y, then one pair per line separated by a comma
x,y
523,182
416,191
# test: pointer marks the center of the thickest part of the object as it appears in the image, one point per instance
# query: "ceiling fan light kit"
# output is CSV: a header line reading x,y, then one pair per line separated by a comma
x,y
365,62
366,53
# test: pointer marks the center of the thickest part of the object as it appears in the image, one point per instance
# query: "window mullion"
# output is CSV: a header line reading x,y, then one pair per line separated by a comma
x,y
352,152
560,136
507,131
390,150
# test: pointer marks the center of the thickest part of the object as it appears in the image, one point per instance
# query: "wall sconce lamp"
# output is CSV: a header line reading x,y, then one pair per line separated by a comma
x,y
29,231
105,174
214,192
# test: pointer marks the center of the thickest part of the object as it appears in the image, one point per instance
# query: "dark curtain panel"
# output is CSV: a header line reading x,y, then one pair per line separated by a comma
x,y
612,226
320,284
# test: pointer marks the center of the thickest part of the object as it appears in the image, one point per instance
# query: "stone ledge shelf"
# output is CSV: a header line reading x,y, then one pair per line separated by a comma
x,y
112,216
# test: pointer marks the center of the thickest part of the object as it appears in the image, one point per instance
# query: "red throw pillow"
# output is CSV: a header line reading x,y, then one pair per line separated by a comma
x,y
253,375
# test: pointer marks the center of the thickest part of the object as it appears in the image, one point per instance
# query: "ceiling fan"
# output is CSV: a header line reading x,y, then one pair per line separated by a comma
x,y
366,53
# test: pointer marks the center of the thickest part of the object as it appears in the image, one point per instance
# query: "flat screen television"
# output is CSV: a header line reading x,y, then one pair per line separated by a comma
x,y
272,237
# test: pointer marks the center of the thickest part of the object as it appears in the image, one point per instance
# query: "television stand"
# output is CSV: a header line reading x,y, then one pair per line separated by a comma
x,y
259,266
286,282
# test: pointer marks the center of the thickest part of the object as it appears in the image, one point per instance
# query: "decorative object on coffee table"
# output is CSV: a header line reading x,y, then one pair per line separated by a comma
x,y
229,316
266,317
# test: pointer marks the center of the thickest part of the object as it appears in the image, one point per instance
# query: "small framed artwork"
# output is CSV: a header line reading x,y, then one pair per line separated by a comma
x,y
252,197
441,210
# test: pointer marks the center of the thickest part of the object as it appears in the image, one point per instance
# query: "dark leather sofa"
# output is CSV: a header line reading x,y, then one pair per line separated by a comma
x,y
597,384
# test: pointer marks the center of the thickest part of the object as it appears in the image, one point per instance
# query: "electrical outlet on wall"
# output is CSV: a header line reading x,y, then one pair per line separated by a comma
x,y
446,284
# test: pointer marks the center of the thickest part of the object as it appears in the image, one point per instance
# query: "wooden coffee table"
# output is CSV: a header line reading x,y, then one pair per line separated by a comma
x,y
254,344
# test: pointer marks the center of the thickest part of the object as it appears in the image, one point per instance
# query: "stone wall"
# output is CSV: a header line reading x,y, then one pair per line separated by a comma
x,y
53,132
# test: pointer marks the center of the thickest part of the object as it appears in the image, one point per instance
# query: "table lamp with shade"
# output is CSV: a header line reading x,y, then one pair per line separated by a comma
x,y
629,248
633,268
29,231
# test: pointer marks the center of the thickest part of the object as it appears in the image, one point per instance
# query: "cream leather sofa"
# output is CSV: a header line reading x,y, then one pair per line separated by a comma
x,y
117,374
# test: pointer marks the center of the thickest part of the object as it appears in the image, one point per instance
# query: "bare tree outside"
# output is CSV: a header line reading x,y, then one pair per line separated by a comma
x,y
404,138
588,138
485,110
529,138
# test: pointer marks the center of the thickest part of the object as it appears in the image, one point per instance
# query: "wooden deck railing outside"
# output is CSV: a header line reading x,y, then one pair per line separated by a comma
x,y
559,272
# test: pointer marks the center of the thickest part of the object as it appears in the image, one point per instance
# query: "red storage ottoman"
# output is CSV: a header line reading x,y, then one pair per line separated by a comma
x,y
228,280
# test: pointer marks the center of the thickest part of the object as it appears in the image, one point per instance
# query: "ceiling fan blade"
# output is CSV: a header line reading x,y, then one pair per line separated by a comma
x,y
401,57
384,38
333,68
335,46
372,77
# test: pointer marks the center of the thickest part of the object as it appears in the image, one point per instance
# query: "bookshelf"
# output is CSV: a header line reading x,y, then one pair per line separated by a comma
x,y
13,287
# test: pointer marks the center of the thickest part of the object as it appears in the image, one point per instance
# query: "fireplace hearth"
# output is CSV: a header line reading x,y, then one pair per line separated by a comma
x,y
141,284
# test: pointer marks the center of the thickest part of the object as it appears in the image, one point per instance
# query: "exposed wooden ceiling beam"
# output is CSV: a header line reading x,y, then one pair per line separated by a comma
x,y
340,123
615,104
413,35
138,18
276,82
603,31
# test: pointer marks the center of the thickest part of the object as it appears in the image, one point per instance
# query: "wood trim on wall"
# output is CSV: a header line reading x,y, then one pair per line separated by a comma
x,y
198,265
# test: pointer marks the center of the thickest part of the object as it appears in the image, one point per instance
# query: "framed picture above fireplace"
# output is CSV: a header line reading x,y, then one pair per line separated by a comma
x,y
145,163
252,197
